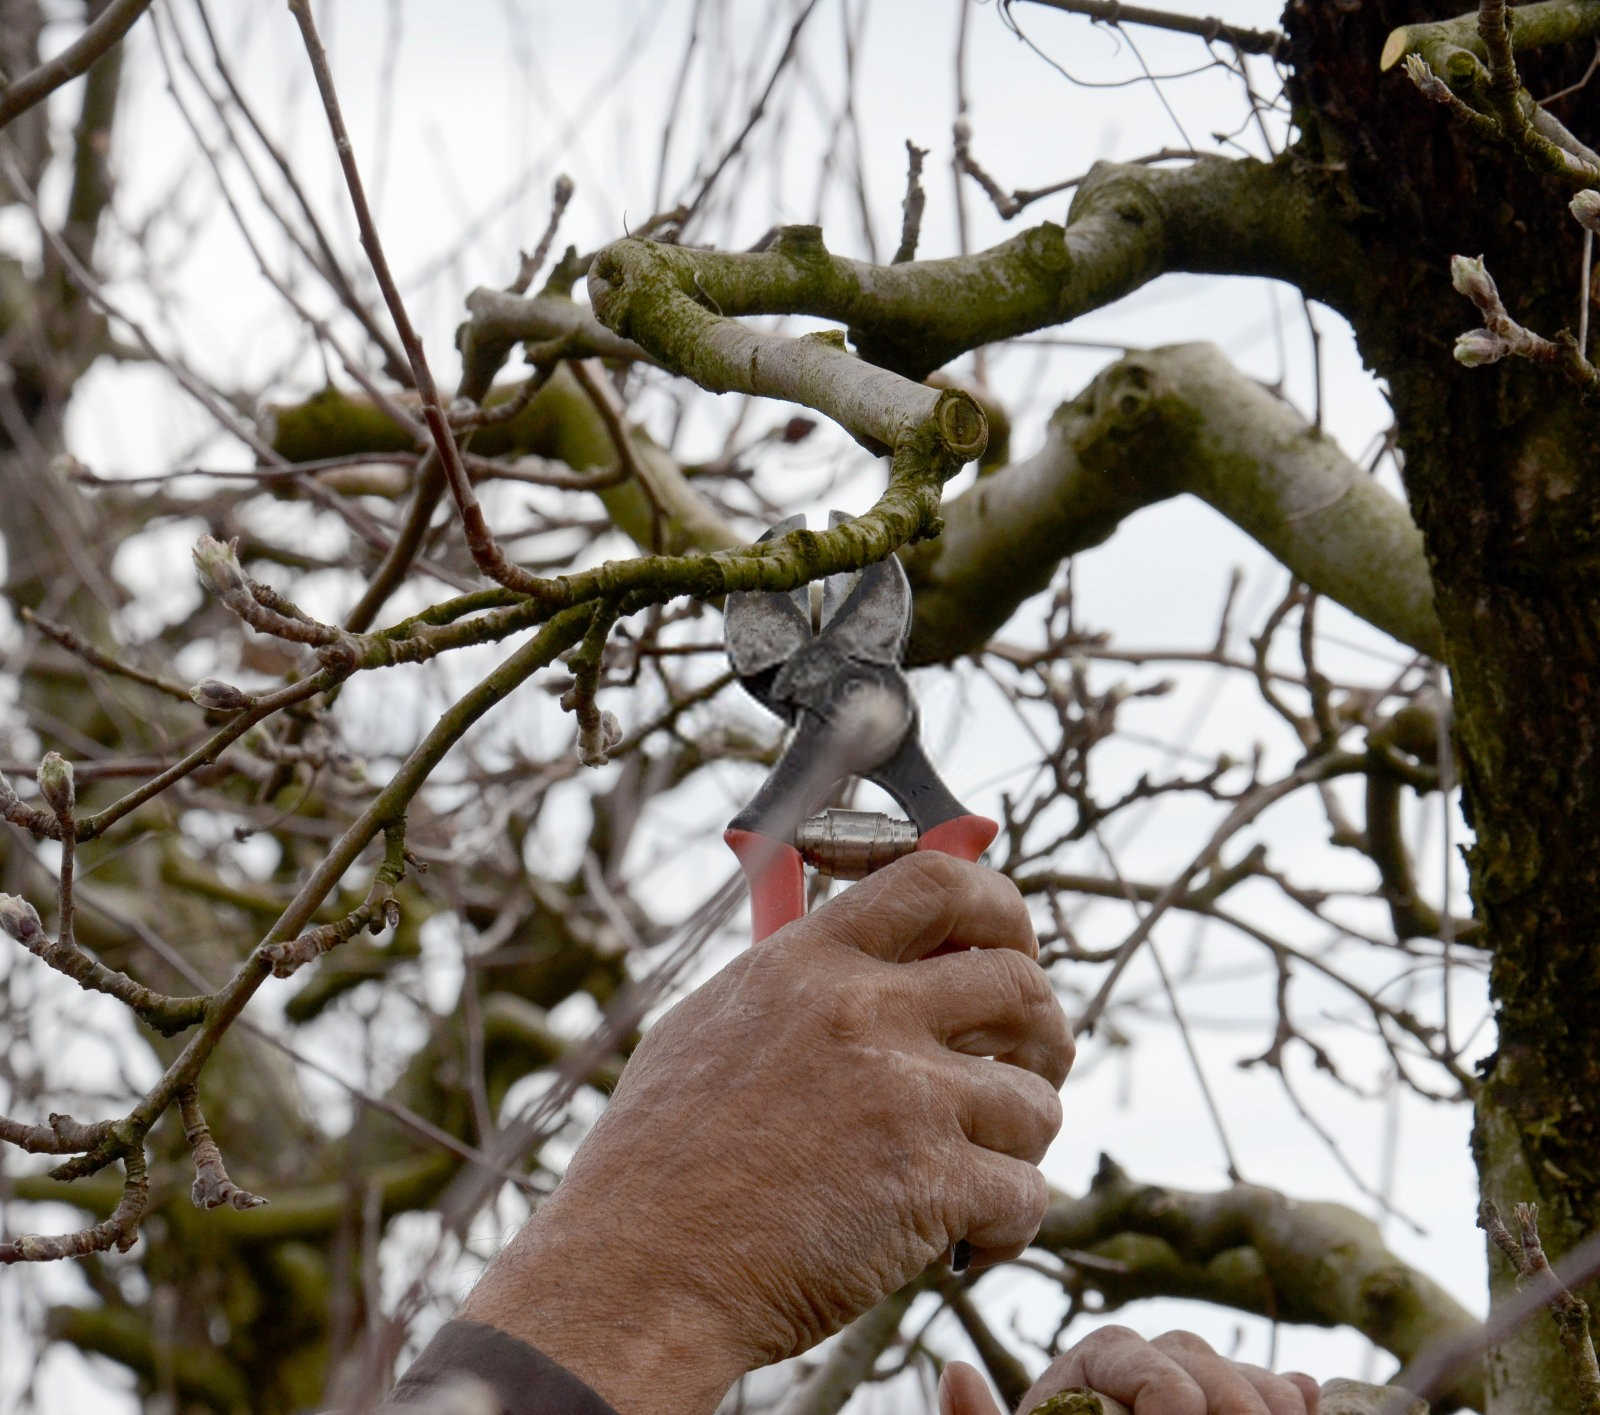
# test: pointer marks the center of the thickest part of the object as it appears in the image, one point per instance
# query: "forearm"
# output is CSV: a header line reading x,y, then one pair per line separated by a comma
x,y
578,1290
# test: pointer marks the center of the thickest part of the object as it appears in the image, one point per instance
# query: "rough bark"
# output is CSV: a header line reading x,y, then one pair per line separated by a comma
x,y
1499,475
1260,1251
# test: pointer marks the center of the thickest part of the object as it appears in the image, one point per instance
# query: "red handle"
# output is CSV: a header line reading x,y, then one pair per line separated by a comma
x,y
776,877
965,836
968,837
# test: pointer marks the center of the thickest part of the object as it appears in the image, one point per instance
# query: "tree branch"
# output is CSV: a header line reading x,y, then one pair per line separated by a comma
x,y
1153,426
1254,1249
1128,224
109,26
1112,12
850,1359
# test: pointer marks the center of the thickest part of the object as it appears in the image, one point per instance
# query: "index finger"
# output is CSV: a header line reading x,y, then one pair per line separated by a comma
x,y
926,901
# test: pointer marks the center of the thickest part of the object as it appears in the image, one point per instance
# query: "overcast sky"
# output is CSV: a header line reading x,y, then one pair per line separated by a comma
x,y
463,113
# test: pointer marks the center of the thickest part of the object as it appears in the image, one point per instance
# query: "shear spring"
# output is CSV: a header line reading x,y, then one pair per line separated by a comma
x,y
852,844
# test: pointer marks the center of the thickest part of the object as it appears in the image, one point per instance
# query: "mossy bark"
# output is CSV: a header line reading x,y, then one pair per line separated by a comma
x,y
1499,472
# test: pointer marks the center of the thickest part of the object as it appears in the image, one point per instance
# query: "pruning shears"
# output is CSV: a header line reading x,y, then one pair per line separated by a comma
x,y
841,687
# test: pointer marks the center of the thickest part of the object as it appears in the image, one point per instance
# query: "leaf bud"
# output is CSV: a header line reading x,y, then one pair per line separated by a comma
x,y
216,696
216,562
1586,208
1478,347
55,783
20,919
1471,278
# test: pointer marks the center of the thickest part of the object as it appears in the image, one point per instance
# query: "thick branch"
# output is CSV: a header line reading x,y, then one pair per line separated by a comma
x,y
1155,425
1128,225
655,294
1552,22
851,1358
500,318
1255,1249
1214,432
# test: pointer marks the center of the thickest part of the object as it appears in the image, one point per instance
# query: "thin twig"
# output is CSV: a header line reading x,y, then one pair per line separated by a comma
x,y
1526,1255
560,196
916,199
81,648
1111,12
757,110
212,1188
486,553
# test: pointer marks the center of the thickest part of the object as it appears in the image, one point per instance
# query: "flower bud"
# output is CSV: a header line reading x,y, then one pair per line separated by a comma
x,y
1586,208
1471,278
217,564
216,696
20,919
1478,347
55,783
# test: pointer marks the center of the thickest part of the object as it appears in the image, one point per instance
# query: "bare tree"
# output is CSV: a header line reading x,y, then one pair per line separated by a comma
x,y
335,942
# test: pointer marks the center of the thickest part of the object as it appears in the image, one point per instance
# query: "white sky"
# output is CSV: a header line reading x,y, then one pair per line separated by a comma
x,y
463,113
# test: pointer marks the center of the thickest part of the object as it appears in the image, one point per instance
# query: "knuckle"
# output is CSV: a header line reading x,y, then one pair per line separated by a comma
x,y
1047,1110
1022,986
1111,1335
1016,906
1184,1341
849,1016
929,870
1288,1393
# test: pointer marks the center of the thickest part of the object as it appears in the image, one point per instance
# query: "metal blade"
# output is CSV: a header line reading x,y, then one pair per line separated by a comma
x,y
836,588
762,629
874,621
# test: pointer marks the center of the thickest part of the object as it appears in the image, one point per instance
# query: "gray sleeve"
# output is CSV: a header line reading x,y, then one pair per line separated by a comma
x,y
472,1369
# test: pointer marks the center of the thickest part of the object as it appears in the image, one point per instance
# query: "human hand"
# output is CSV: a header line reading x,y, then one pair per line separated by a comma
x,y
1176,1374
799,1138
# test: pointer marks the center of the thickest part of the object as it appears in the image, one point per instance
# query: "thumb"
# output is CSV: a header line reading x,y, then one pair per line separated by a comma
x,y
963,1392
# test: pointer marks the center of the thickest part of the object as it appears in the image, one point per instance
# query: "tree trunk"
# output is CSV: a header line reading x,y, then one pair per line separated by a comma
x,y
1499,471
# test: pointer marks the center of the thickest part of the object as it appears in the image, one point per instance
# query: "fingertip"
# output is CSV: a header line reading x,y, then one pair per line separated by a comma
x,y
962,1391
1308,1387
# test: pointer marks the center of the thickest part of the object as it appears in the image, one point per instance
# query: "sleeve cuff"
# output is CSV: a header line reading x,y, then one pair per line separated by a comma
x,y
467,1362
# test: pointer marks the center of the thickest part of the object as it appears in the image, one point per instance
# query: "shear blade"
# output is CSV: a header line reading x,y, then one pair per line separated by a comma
x,y
866,615
763,628
836,588
873,621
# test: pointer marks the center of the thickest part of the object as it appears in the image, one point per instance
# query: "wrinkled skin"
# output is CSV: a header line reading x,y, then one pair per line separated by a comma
x,y
807,1132
799,1138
